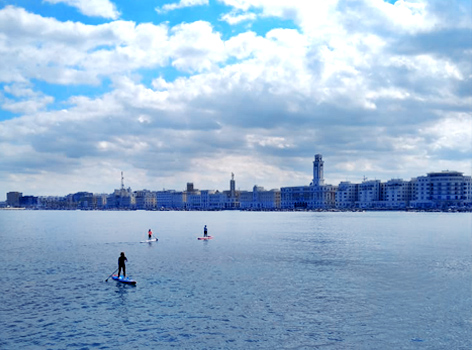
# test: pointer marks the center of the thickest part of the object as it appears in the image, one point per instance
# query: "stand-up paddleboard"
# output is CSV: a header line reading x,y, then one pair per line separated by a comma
x,y
125,280
204,238
150,240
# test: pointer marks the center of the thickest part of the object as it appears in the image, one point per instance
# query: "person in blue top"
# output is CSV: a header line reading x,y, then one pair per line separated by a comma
x,y
205,231
121,264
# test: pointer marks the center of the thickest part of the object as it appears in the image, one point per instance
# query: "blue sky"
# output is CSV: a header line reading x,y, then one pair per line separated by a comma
x,y
194,90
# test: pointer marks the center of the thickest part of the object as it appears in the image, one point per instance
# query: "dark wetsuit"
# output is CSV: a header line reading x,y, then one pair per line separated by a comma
x,y
205,232
121,265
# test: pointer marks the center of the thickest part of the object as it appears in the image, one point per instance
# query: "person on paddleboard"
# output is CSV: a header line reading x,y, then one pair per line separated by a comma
x,y
149,234
121,264
205,231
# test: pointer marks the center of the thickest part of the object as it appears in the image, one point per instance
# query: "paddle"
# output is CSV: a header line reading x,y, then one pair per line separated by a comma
x,y
111,275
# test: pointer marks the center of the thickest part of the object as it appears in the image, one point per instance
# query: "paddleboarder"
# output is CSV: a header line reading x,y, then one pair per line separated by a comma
x,y
205,231
149,234
121,264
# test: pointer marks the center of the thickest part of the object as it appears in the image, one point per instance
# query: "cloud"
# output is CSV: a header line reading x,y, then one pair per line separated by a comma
x,y
195,47
31,46
383,98
180,5
453,132
92,8
234,18
21,99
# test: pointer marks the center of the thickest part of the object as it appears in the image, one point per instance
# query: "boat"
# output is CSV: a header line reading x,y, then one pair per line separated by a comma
x,y
125,280
204,238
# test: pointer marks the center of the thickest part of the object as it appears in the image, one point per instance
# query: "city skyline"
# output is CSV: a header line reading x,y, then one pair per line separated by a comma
x,y
171,92
318,180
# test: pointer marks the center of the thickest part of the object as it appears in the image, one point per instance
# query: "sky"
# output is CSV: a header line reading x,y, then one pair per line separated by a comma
x,y
170,92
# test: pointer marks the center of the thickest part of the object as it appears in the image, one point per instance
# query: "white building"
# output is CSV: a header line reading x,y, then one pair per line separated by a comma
x,y
259,198
442,189
369,194
217,200
346,195
298,197
145,199
316,196
267,199
170,199
194,200
246,199
397,194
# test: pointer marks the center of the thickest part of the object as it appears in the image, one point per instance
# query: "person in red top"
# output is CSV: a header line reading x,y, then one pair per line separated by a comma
x,y
149,234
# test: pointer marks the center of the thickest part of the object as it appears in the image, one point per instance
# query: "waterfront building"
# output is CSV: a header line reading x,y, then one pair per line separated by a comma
x,y
164,199
347,195
13,199
397,194
267,199
101,200
179,198
205,199
217,200
171,199
442,190
369,194
28,201
259,198
194,200
316,196
122,199
324,197
81,200
296,197
53,202
145,199
246,199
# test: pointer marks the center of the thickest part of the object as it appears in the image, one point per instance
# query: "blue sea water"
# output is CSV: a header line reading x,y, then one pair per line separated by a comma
x,y
283,280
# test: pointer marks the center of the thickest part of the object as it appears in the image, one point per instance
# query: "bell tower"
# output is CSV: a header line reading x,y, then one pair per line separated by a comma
x,y
318,179
232,186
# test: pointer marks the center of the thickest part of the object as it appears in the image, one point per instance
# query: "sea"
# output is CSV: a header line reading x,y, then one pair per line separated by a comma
x,y
267,280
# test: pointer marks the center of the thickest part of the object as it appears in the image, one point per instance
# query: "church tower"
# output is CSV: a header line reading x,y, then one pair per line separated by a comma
x,y
318,179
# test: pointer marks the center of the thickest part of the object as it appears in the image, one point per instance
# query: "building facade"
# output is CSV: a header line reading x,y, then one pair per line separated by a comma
x,y
441,190
315,196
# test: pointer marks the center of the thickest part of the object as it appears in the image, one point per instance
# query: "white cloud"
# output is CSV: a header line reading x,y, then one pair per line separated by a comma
x,y
93,8
195,47
23,100
75,53
453,132
181,4
233,18
406,15
267,141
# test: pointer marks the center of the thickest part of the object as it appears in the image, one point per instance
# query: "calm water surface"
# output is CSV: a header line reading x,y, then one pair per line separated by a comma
x,y
266,281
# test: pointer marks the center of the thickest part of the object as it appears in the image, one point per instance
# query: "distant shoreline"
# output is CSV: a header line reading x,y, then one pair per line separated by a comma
x,y
354,210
